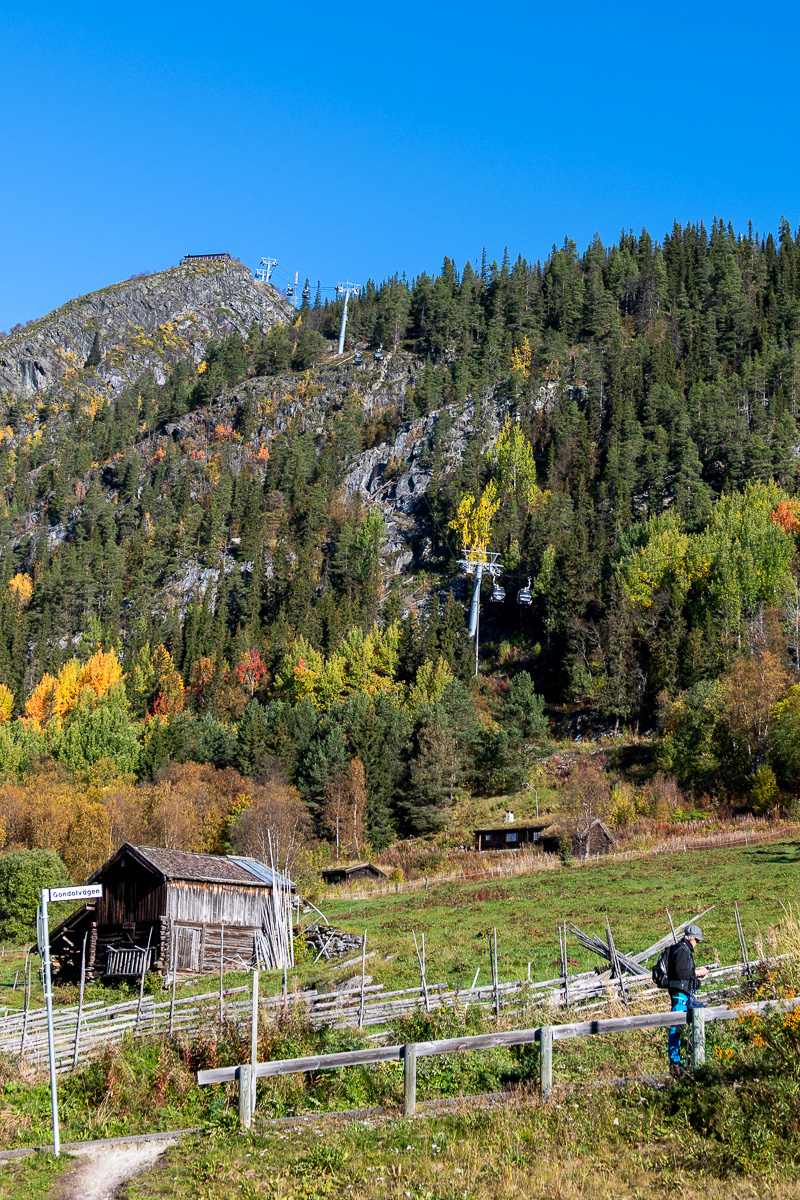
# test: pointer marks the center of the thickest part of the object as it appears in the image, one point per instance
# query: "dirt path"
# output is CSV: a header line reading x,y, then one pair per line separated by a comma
x,y
101,1171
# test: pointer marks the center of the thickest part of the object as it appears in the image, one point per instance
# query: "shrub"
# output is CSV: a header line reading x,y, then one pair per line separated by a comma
x,y
23,873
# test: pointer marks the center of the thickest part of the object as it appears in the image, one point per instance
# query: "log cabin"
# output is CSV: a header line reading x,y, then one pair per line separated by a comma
x,y
162,906
354,871
546,836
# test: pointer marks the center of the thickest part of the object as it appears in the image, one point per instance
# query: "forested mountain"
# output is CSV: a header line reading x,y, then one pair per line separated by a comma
x,y
264,538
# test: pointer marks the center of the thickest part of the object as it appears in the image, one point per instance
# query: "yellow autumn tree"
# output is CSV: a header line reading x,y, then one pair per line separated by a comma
x,y
21,588
101,673
6,703
473,520
521,358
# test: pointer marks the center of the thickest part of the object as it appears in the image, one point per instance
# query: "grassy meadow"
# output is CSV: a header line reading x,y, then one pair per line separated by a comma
x,y
457,917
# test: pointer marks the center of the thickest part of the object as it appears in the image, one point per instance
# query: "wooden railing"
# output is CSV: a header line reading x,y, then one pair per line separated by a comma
x,y
545,1035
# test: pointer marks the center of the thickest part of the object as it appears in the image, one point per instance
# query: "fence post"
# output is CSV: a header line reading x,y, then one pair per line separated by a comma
x,y
698,1037
546,1060
409,1079
245,1108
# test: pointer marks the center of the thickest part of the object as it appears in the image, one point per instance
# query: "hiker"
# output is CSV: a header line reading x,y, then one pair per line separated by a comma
x,y
683,984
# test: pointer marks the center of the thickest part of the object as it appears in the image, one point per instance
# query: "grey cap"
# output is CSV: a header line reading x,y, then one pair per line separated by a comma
x,y
694,931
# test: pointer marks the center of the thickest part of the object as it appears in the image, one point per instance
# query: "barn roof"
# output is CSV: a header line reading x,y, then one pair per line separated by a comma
x,y
186,865
261,870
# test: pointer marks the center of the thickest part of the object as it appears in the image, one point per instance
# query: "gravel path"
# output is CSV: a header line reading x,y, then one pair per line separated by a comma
x,y
101,1171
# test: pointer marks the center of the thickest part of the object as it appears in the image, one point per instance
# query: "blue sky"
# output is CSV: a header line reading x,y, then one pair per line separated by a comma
x,y
356,140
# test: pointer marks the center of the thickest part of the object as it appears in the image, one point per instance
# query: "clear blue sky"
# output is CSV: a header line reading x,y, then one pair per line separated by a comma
x,y
354,140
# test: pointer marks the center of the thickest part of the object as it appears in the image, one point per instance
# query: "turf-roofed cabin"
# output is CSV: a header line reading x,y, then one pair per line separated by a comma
x,y
173,905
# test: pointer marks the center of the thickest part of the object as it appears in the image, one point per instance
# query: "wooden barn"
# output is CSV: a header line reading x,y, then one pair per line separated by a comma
x,y
172,907
595,839
354,871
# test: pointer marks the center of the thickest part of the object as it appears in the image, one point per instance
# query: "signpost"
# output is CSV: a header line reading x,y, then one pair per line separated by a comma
x,y
91,891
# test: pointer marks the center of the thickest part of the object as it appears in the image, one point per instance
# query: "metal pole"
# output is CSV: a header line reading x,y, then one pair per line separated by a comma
x,y
48,995
479,573
343,325
476,600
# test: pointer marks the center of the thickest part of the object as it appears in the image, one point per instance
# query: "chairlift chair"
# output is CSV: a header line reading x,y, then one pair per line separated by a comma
x,y
378,355
524,594
498,593
290,291
357,359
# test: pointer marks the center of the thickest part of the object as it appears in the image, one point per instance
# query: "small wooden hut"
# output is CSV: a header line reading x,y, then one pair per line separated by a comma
x,y
176,907
365,870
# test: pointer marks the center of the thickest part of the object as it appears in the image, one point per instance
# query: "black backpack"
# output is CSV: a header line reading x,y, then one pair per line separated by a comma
x,y
661,969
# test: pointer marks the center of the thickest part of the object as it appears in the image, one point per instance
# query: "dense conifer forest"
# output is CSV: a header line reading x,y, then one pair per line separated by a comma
x,y
189,592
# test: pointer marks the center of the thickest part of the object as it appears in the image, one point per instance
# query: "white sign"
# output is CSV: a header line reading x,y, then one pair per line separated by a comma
x,y
89,891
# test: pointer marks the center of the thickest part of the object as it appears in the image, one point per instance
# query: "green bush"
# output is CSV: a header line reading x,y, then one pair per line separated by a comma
x,y
23,873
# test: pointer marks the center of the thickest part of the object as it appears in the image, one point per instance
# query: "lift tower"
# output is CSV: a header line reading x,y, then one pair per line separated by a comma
x,y
264,270
475,562
346,289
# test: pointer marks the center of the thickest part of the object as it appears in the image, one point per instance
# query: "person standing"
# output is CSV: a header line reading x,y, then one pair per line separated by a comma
x,y
683,983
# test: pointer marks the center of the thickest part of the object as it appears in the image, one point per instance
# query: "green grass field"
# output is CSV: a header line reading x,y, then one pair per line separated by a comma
x,y
457,918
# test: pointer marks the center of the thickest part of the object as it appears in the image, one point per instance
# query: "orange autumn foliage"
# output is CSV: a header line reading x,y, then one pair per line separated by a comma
x,y
785,516
56,697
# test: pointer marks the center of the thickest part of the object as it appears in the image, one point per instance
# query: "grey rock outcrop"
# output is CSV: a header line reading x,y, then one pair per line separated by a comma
x,y
144,324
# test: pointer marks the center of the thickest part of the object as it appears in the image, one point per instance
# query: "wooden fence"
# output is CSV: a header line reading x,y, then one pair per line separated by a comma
x,y
81,1033
246,1074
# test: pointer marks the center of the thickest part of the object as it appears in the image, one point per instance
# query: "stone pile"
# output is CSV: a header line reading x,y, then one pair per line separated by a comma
x,y
332,942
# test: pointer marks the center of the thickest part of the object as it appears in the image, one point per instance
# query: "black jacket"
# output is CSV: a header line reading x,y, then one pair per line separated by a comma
x,y
681,969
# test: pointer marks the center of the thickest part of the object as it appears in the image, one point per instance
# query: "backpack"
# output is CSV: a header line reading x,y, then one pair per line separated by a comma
x,y
660,971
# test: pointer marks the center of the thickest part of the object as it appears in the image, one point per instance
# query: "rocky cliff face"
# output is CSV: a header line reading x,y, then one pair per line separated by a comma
x,y
144,324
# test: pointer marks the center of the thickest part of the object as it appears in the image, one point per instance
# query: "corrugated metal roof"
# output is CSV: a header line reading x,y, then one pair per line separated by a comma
x,y
199,868
261,870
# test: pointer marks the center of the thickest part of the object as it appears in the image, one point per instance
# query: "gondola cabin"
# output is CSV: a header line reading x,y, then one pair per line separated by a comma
x,y
169,907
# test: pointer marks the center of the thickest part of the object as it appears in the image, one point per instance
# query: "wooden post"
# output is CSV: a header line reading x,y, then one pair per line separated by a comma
x,y
423,984
698,1020
363,962
254,1044
409,1079
742,942
142,973
27,985
496,981
80,1003
245,1111
546,1060
174,980
221,961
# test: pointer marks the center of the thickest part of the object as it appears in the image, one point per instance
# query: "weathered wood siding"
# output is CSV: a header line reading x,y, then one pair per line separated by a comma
x,y
216,903
131,894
